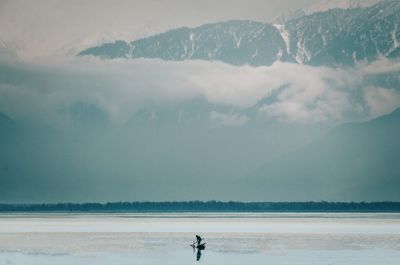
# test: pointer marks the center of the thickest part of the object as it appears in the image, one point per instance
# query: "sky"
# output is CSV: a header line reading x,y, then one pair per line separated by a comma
x,y
85,129
46,27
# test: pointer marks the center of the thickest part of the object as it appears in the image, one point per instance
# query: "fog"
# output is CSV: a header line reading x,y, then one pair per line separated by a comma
x,y
90,130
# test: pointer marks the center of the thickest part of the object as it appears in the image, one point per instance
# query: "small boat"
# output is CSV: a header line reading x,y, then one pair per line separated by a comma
x,y
201,246
198,243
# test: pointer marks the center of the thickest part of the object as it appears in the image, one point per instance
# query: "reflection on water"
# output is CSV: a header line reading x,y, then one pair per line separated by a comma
x,y
159,257
198,255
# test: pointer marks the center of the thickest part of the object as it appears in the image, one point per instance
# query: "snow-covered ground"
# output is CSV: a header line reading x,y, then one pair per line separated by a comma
x,y
231,239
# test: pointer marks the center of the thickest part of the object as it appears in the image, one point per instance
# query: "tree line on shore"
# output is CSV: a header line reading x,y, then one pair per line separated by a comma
x,y
206,206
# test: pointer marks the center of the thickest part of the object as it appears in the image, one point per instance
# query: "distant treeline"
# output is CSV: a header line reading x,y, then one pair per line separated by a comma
x,y
209,206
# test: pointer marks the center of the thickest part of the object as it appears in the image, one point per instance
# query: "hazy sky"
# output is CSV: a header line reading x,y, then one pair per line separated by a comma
x,y
41,27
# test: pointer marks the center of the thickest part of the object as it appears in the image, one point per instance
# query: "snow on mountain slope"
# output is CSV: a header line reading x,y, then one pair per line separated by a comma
x,y
333,37
346,36
236,42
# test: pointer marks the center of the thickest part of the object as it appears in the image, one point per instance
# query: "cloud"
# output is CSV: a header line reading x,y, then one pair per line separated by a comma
x,y
228,119
381,100
381,66
283,91
313,94
96,153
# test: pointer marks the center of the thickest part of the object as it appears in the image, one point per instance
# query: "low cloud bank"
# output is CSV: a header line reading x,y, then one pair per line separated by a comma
x,y
285,92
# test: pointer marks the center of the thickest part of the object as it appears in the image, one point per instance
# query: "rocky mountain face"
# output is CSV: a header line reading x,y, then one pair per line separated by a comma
x,y
345,36
233,42
334,37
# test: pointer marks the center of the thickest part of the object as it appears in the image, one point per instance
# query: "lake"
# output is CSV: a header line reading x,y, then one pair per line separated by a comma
x,y
231,238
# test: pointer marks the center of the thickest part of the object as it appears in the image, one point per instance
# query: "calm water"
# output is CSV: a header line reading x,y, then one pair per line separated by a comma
x,y
115,239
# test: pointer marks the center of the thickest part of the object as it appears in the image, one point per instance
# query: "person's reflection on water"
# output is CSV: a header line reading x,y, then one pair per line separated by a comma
x,y
198,255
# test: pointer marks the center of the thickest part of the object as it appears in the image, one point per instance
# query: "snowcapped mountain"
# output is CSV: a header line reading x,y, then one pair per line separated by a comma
x,y
235,42
346,36
338,36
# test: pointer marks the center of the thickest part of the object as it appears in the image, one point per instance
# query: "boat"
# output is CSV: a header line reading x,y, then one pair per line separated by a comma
x,y
198,243
201,246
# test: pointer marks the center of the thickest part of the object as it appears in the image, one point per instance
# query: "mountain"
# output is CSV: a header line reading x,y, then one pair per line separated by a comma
x,y
7,127
87,115
234,42
8,141
346,36
336,36
352,162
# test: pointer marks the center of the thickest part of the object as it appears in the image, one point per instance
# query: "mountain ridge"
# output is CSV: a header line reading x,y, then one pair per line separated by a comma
x,y
333,37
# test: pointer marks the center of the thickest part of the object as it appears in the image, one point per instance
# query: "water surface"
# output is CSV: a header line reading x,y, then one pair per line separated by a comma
x,y
288,238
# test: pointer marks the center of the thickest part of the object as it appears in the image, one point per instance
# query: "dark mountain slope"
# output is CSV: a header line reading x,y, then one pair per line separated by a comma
x,y
353,162
235,42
